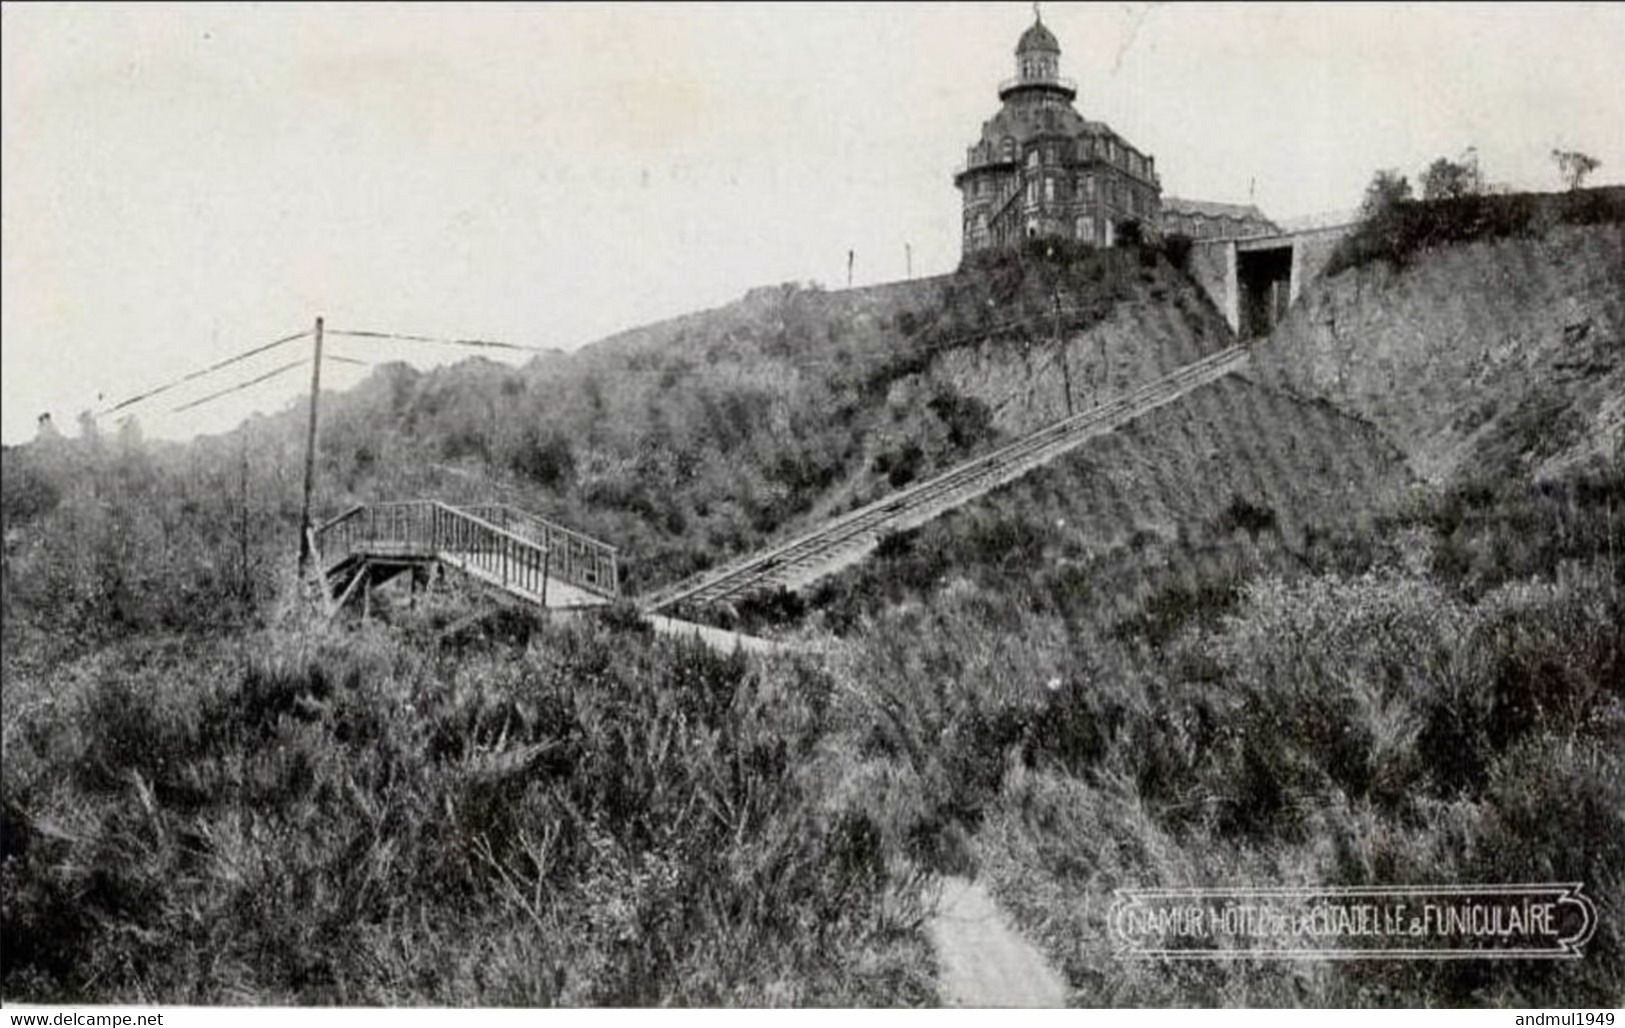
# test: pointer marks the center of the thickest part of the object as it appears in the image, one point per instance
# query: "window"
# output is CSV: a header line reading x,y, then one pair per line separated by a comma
x,y
1086,230
1009,148
1049,190
1089,185
1032,157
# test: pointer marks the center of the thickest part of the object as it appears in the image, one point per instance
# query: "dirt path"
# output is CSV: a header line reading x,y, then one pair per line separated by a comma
x,y
720,638
985,962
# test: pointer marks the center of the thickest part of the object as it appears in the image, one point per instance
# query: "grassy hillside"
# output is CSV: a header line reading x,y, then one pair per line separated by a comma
x,y
208,799
1242,685
1500,356
528,815
1234,642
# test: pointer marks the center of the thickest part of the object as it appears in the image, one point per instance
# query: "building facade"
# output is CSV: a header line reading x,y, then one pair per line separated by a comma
x,y
1201,219
1040,169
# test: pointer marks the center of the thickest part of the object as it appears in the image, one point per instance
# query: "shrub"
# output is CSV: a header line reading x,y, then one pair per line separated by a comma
x,y
1176,246
574,821
1398,230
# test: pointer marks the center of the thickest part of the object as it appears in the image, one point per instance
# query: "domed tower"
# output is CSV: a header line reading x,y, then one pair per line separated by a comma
x,y
1038,65
1042,169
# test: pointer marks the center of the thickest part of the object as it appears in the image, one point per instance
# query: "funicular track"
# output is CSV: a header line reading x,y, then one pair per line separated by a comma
x,y
848,537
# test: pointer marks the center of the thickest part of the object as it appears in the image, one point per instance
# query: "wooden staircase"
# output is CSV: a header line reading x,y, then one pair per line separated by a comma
x,y
525,557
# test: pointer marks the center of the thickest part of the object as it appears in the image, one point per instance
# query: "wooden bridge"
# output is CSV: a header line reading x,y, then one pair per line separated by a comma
x,y
528,558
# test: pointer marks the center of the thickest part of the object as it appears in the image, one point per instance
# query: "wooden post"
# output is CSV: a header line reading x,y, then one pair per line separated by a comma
x,y
1060,345
547,562
310,450
244,588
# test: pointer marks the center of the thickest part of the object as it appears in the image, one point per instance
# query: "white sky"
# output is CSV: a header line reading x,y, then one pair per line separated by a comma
x,y
183,182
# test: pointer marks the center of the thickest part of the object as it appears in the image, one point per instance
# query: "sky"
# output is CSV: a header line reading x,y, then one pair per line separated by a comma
x,y
184,182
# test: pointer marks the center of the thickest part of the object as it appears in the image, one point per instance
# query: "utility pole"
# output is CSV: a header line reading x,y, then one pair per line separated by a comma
x,y
310,450
1105,368
908,258
1060,349
243,589
851,255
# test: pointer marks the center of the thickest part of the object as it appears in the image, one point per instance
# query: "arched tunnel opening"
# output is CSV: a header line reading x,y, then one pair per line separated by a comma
x,y
1264,280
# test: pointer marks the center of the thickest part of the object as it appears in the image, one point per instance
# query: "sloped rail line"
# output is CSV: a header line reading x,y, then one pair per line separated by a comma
x,y
843,539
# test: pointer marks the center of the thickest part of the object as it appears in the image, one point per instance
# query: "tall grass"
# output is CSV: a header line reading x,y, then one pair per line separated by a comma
x,y
1365,710
366,820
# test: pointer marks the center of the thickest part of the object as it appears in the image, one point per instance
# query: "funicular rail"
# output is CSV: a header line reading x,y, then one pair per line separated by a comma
x,y
813,553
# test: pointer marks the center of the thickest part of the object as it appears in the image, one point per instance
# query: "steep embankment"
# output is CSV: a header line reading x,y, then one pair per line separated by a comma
x,y
1494,358
709,435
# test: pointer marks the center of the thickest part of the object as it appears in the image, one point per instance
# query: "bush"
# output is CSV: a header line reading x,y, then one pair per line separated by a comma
x,y
1396,232
1176,246
572,821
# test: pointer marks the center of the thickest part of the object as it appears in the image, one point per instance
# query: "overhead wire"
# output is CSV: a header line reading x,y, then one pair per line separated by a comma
x,y
802,359
274,372
336,358
490,344
190,376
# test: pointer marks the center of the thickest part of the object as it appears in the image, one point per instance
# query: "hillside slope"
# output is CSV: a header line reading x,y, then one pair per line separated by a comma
x,y
1495,357
711,434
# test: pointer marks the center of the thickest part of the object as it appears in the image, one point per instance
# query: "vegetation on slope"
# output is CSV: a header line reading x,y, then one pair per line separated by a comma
x,y
205,801
380,817
1498,358
1216,648
1395,229
1435,696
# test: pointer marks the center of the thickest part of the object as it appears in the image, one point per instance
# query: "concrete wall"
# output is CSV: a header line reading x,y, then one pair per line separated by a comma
x,y
1310,252
1213,264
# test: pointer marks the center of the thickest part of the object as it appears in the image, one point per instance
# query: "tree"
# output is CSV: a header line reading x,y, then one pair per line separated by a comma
x,y
1387,189
1573,166
1448,180
130,439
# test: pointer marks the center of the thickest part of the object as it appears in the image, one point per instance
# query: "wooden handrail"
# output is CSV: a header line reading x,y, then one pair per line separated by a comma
x,y
552,526
337,518
488,526
583,561
485,541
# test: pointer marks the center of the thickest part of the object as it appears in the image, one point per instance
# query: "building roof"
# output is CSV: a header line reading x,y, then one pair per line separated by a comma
x,y
1038,38
1210,209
